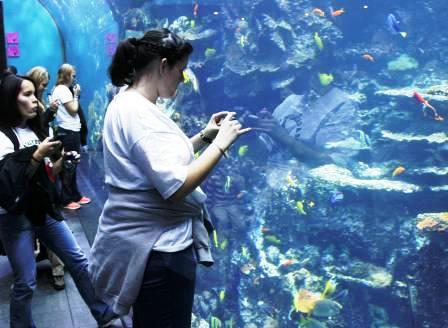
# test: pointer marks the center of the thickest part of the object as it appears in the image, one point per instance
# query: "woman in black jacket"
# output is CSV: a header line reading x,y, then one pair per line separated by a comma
x,y
28,202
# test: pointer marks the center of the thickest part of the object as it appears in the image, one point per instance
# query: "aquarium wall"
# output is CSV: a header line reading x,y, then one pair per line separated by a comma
x,y
332,211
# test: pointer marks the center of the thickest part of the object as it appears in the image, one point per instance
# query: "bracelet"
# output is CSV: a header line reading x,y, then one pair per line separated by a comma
x,y
34,159
222,151
205,138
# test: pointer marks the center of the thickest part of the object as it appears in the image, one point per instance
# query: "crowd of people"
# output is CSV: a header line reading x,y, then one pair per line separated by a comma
x,y
154,227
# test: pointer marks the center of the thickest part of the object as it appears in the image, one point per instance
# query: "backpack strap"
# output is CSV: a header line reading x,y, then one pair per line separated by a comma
x,y
12,136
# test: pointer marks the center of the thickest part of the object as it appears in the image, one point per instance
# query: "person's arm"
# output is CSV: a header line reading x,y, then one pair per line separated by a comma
x,y
298,148
198,170
72,107
205,137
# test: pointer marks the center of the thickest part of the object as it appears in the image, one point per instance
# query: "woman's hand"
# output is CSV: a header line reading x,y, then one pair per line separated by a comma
x,y
212,128
229,130
77,90
54,105
47,148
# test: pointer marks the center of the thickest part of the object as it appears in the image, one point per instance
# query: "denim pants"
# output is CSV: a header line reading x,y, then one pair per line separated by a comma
x,y
71,141
166,295
17,236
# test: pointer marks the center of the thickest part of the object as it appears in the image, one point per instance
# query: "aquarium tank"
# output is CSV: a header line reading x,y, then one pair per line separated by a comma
x,y
332,211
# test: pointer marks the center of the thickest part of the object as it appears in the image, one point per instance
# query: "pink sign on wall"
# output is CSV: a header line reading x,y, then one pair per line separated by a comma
x,y
13,51
12,38
111,38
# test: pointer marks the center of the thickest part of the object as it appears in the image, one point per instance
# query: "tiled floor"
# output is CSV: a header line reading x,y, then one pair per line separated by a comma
x,y
60,309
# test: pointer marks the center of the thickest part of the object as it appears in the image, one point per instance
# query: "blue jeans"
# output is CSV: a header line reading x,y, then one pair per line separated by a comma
x,y
17,236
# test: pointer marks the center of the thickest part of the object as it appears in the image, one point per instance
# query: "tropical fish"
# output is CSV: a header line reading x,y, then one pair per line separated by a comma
x,y
318,41
394,25
300,207
273,239
242,40
222,295
426,104
192,23
244,251
224,244
311,204
336,197
325,79
368,57
265,230
318,12
337,12
209,52
399,170
196,9
330,288
190,77
215,238
287,263
228,184
243,150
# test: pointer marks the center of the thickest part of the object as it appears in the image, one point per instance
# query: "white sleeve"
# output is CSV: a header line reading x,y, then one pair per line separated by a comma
x,y
62,93
159,156
6,146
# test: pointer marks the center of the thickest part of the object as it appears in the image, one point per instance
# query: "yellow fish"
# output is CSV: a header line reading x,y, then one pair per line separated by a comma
x,y
209,52
215,238
273,239
192,23
244,251
190,77
222,295
224,244
243,150
318,41
300,207
325,79
242,41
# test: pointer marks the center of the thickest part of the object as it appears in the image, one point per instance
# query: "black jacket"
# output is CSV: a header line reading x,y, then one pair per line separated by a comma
x,y
24,192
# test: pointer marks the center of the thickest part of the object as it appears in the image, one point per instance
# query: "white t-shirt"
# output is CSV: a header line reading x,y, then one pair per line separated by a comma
x,y
144,149
27,138
63,118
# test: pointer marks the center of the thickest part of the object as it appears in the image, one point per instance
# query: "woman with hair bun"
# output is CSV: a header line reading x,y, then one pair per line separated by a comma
x,y
154,227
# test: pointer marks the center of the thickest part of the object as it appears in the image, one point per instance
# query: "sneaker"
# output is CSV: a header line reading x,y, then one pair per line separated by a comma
x,y
58,282
72,206
113,316
84,200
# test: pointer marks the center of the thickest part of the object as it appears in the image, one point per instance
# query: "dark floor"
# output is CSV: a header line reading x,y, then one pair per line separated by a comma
x,y
65,308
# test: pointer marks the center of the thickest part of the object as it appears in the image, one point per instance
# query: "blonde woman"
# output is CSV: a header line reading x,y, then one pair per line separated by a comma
x,y
39,75
69,132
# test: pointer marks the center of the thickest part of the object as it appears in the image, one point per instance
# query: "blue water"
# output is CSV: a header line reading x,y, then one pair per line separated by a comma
x,y
346,187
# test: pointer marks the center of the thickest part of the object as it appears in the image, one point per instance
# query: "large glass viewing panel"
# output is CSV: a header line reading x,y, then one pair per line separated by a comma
x,y
333,211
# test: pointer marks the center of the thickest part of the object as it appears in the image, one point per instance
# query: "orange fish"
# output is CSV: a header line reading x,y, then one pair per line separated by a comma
x,y
318,12
265,230
368,57
287,263
426,105
399,170
338,12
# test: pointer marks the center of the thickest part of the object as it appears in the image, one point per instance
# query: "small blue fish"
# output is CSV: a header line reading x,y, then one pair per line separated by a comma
x,y
393,23
336,197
